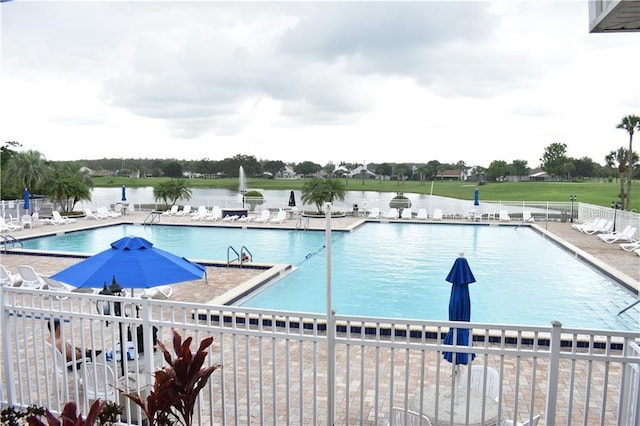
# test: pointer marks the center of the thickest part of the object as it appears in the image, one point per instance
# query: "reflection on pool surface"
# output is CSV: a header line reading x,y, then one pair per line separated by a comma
x,y
399,270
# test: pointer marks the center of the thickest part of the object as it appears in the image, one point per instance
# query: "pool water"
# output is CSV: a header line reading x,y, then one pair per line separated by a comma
x,y
399,270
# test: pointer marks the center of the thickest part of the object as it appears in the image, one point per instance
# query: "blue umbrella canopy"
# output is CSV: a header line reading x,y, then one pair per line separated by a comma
x,y
476,196
124,193
460,277
135,263
26,196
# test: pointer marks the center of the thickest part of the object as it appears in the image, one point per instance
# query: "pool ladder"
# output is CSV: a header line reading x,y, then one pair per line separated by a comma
x,y
10,239
153,217
234,256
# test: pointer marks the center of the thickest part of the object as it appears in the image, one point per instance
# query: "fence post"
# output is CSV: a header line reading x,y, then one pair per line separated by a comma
x,y
6,372
554,368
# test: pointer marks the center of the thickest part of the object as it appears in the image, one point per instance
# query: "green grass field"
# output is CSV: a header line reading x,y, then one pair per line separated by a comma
x,y
594,192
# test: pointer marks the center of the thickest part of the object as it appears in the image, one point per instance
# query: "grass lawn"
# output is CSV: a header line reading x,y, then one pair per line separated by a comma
x,y
595,192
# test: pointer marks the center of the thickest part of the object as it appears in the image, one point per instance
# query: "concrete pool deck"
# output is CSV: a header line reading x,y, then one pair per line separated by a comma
x,y
621,265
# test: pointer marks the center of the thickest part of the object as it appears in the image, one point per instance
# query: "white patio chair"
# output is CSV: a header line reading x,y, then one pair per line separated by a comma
x,y
492,386
99,382
534,421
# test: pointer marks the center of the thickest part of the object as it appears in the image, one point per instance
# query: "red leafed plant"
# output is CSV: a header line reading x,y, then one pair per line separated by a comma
x,y
176,386
69,416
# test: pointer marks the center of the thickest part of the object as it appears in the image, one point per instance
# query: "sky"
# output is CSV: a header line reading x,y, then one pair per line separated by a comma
x,y
359,82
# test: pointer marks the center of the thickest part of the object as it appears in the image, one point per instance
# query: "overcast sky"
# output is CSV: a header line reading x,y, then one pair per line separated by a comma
x,y
326,81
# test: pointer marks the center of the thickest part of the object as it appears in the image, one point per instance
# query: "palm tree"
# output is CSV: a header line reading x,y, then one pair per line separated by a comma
x,y
26,170
630,123
319,191
171,191
67,184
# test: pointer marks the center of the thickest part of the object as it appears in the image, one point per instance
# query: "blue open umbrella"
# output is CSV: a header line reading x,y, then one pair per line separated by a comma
x,y
124,193
135,263
26,196
476,196
460,277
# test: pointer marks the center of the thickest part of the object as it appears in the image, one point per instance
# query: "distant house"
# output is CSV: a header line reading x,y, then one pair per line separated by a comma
x,y
357,173
449,175
539,176
287,173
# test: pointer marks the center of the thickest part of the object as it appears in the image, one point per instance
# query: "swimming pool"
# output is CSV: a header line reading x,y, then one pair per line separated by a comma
x,y
399,270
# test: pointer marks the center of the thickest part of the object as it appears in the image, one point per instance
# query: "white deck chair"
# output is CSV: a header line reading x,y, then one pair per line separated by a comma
x,y
504,216
626,235
57,286
264,216
406,213
7,278
30,278
200,214
8,226
61,368
581,226
630,246
437,214
393,213
186,210
399,417
58,219
605,228
422,214
88,214
280,217
527,217
172,211
99,382
26,221
492,386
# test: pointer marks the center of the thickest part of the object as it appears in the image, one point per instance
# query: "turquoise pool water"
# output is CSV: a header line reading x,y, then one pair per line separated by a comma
x,y
399,270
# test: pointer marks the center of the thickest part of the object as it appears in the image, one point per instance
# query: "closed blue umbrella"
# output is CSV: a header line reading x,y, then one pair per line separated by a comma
x,y
135,263
124,193
460,277
26,196
292,199
476,197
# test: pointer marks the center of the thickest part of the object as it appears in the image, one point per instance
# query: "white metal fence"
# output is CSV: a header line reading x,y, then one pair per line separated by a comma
x,y
276,369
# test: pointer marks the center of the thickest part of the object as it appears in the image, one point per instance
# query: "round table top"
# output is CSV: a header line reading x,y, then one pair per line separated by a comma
x,y
444,416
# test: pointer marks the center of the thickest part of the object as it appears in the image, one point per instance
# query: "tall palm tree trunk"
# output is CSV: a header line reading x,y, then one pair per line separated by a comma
x,y
629,172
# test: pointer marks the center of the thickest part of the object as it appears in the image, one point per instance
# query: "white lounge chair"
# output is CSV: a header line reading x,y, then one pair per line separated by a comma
x,y
264,216
8,226
186,210
30,278
606,228
55,285
437,214
216,214
280,217
630,246
200,214
406,213
422,214
58,219
172,211
106,213
230,218
581,226
7,278
626,235
88,214
527,217
393,213
504,216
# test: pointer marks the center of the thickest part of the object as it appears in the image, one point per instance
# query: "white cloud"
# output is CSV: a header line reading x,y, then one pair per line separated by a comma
x,y
322,81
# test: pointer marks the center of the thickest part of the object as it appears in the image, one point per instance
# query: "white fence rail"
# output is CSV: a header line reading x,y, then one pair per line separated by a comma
x,y
276,371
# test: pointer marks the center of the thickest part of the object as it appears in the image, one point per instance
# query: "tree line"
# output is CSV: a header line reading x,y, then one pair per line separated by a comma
x,y
70,181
